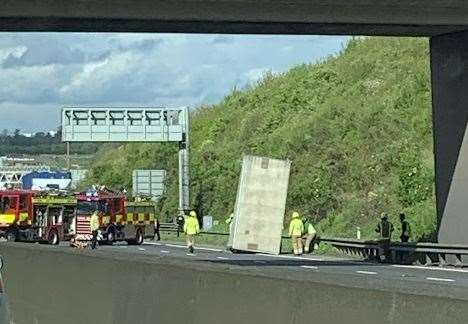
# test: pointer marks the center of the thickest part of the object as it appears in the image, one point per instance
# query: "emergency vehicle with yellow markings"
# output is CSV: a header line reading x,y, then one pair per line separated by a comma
x,y
32,216
120,218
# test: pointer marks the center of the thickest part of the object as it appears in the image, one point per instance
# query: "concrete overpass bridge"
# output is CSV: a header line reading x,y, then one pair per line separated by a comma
x,y
344,17
194,289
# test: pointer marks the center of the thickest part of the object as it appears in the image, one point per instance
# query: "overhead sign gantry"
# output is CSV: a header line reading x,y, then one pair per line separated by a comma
x,y
108,124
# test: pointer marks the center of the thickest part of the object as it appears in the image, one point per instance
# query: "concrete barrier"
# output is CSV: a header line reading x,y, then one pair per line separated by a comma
x,y
56,285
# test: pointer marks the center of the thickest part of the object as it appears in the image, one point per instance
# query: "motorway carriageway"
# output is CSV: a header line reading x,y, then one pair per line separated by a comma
x,y
420,280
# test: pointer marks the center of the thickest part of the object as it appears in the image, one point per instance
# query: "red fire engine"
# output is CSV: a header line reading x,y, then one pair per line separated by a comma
x,y
35,216
119,220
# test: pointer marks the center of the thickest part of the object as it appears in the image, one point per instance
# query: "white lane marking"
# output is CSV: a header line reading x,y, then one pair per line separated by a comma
x,y
141,249
367,272
309,267
222,258
428,268
165,251
290,257
191,254
122,247
260,262
440,279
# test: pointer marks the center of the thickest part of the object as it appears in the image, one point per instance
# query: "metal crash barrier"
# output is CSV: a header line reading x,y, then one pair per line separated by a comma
x,y
370,250
424,253
432,253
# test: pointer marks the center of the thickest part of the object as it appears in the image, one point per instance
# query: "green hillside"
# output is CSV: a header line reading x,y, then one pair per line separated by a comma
x,y
356,126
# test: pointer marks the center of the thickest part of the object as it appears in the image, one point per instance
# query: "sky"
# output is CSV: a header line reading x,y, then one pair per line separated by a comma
x,y
42,72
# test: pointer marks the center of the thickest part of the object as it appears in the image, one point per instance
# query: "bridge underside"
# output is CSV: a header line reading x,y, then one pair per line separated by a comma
x,y
351,17
446,22
228,27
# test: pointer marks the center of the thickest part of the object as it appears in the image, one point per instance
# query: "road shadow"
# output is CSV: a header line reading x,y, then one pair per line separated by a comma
x,y
288,263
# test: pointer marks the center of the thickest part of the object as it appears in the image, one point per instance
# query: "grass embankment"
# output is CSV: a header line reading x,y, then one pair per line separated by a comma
x,y
356,126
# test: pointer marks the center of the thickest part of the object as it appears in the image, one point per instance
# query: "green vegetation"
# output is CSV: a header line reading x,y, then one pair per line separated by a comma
x,y
48,149
357,127
40,143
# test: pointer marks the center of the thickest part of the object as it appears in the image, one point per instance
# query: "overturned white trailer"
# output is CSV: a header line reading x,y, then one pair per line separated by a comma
x,y
260,205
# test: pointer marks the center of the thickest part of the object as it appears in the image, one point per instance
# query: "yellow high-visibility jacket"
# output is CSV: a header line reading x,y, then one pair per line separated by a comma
x,y
311,229
191,226
296,227
94,222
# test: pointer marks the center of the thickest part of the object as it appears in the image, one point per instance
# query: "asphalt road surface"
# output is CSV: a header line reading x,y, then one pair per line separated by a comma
x,y
349,272
207,281
420,280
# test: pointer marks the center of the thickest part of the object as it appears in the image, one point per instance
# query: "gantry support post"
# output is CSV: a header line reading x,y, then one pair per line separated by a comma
x,y
184,167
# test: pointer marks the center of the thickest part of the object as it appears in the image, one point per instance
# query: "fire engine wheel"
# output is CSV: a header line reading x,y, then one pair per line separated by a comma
x,y
11,237
110,237
139,237
138,240
53,238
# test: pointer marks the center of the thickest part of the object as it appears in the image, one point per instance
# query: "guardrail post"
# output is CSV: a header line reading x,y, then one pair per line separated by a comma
x,y
375,254
365,253
442,259
428,260
458,260
378,255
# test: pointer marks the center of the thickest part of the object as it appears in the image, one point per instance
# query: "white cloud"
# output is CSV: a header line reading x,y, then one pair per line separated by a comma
x,y
41,72
91,80
15,52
